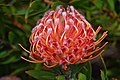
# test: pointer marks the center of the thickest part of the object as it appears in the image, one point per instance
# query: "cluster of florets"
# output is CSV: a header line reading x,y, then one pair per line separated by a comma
x,y
64,37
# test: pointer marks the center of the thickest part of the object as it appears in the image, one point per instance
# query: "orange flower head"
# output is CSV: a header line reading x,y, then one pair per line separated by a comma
x,y
64,37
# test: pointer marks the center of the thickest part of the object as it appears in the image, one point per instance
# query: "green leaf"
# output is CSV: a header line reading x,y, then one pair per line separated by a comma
x,y
13,10
88,15
17,71
118,28
37,5
40,11
11,37
105,69
38,66
76,68
111,4
99,4
9,10
21,12
41,75
11,60
60,78
34,8
29,9
103,75
82,76
26,14
6,53
89,72
27,28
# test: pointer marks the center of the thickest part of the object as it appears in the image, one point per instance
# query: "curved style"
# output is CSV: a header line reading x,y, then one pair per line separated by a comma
x,y
64,37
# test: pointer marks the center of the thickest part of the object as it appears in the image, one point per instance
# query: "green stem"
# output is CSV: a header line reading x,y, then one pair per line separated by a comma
x,y
105,68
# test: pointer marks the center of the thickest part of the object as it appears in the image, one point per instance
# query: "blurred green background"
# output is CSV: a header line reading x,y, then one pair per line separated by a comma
x,y
18,17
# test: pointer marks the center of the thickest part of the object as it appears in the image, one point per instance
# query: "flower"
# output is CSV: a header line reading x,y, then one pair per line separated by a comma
x,y
64,37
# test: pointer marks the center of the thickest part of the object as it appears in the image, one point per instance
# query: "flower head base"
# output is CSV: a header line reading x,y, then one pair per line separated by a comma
x,y
64,37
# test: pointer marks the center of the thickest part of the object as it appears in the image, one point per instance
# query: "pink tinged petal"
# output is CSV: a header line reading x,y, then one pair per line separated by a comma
x,y
63,37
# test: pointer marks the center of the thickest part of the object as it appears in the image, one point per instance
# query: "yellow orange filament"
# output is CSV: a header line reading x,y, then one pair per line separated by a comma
x,y
64,37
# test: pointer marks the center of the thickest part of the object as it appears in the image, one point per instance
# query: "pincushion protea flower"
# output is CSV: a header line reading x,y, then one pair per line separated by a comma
x,y
64,37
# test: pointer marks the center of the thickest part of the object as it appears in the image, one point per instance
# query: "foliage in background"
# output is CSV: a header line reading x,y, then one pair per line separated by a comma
x,y
18,17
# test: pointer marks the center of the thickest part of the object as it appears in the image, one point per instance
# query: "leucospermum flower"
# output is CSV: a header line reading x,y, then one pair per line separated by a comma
x,y
64,37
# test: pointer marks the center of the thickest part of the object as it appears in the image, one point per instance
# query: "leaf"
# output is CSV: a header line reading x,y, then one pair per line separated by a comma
x,y
88,15
111,4
103,75
27,28
21,12
99,4
11,60
26,14
60,78
9,10
3,54
82,76
11,37
29,8
38,66
89,72
76,68
118,28
37,5
105,69
13,10
6,53
34,8
17,71
41,75
40,11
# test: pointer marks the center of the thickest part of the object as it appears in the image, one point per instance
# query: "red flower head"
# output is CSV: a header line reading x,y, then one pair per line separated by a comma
x,y
64,37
